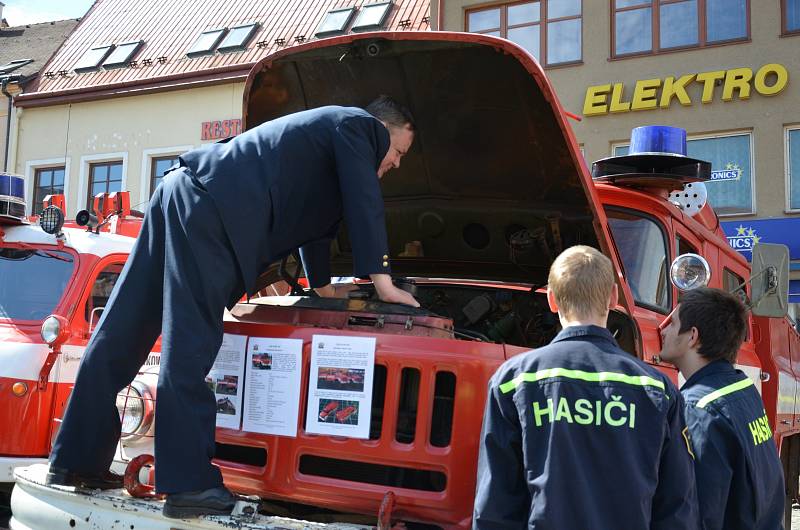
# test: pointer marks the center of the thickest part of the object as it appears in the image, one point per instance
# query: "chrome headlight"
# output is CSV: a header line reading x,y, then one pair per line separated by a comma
x,y
135,406
51,328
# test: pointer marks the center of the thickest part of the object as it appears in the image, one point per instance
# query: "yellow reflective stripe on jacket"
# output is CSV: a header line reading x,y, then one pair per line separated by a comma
x,y
724,391
592,377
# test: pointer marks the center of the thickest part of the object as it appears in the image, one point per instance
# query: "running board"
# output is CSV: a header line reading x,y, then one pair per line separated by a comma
x,y
36,506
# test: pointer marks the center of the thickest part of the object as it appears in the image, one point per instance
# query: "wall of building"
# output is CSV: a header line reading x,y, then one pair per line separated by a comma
x,y
765,117
132,129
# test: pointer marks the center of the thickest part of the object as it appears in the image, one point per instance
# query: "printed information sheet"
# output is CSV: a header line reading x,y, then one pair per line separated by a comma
x,y
340,385
272,403
226,380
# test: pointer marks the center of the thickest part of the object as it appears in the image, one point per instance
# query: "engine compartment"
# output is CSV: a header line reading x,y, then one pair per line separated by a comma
x,y
516,315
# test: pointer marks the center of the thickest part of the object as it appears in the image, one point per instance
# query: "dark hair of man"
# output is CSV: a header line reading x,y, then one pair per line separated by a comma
x,y
390,112
720,319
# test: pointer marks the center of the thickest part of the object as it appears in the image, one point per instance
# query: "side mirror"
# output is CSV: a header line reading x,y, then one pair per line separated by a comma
x,y
770,280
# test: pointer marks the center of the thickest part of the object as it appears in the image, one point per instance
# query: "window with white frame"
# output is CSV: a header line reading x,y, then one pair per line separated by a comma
x,y
793,166
47,181
158,165
730,190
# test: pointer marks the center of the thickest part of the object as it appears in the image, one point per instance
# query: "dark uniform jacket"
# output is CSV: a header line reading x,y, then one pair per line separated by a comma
x,y
289,182
738,470
581,435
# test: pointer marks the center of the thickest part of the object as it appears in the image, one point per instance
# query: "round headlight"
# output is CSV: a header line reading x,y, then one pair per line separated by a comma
x,y
689,271
135,407
51,219
131,410
51,328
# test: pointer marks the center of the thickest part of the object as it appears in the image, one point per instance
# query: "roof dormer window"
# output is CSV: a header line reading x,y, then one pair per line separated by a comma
x,y
122,54
237,38
372,16
207,42
91,60
335,21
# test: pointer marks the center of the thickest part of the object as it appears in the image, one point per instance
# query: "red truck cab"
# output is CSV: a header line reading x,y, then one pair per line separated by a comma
x,y
58,284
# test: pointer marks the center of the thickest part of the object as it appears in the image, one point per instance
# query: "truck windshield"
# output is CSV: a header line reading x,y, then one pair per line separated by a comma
x,y
32,281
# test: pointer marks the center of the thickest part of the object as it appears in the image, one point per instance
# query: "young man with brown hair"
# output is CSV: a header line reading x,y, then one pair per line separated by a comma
x,y
579,433
737,467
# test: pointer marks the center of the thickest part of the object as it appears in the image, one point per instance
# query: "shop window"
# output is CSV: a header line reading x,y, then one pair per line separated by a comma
x,y
648,26
91,60
207,42
104,177
793,167
122,55
550,31
47,181
335,22
158,166
791,16
238,38
730,190
642,248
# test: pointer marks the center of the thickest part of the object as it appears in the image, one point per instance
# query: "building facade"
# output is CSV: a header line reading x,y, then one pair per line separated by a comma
x,y
728,71
138,83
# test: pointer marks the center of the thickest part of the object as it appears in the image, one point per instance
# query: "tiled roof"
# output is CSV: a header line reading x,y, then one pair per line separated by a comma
x,y
169,28
34,41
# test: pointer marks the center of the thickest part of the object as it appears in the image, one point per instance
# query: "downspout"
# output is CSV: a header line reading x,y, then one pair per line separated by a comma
x,y
4,90
440,15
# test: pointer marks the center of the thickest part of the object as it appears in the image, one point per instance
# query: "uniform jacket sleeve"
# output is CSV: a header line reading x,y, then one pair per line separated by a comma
x,y
360,143
710,435
675,500
316,262
502,499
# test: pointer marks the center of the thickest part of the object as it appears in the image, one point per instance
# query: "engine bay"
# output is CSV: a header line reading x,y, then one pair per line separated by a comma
x,y
475,311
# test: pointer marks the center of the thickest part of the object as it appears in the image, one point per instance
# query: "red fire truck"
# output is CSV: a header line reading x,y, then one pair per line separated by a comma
x,y
55,279
494,188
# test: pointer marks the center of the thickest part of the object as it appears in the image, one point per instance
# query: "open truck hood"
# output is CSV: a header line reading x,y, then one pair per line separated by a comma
x,y
494,186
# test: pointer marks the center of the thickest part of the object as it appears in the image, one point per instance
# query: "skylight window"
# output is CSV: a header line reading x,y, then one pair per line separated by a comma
x,y
372,16
238,38
206,42
92,59
122,54
13,65
335,21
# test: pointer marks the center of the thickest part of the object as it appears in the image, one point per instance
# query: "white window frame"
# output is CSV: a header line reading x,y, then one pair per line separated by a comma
x,y
30,176
87,160
707,136
787,170
147,162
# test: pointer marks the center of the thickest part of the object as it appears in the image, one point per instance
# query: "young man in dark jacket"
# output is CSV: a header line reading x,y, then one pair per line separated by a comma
x,y
738,470
581,434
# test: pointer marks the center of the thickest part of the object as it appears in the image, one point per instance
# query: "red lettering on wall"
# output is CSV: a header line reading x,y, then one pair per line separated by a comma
x,y
217,130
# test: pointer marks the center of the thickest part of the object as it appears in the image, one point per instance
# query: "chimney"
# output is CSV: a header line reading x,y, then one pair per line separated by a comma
x,y
3,23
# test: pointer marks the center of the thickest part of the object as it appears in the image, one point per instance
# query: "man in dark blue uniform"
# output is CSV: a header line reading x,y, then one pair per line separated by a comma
x,y
580,434
212,226
738,470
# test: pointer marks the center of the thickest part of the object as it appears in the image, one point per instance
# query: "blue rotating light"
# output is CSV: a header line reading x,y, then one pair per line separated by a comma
x,y
12,199
656,158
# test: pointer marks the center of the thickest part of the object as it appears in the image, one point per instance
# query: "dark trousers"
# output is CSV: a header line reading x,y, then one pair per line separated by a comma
x,y
180,275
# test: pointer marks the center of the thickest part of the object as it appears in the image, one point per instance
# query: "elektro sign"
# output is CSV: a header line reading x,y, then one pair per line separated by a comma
x,y
648,94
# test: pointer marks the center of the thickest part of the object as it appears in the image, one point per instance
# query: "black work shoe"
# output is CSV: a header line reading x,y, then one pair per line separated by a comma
x,y
214,501
106,480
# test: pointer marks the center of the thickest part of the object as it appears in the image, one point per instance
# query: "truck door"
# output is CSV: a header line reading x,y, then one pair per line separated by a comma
x,y
641,242
90,307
